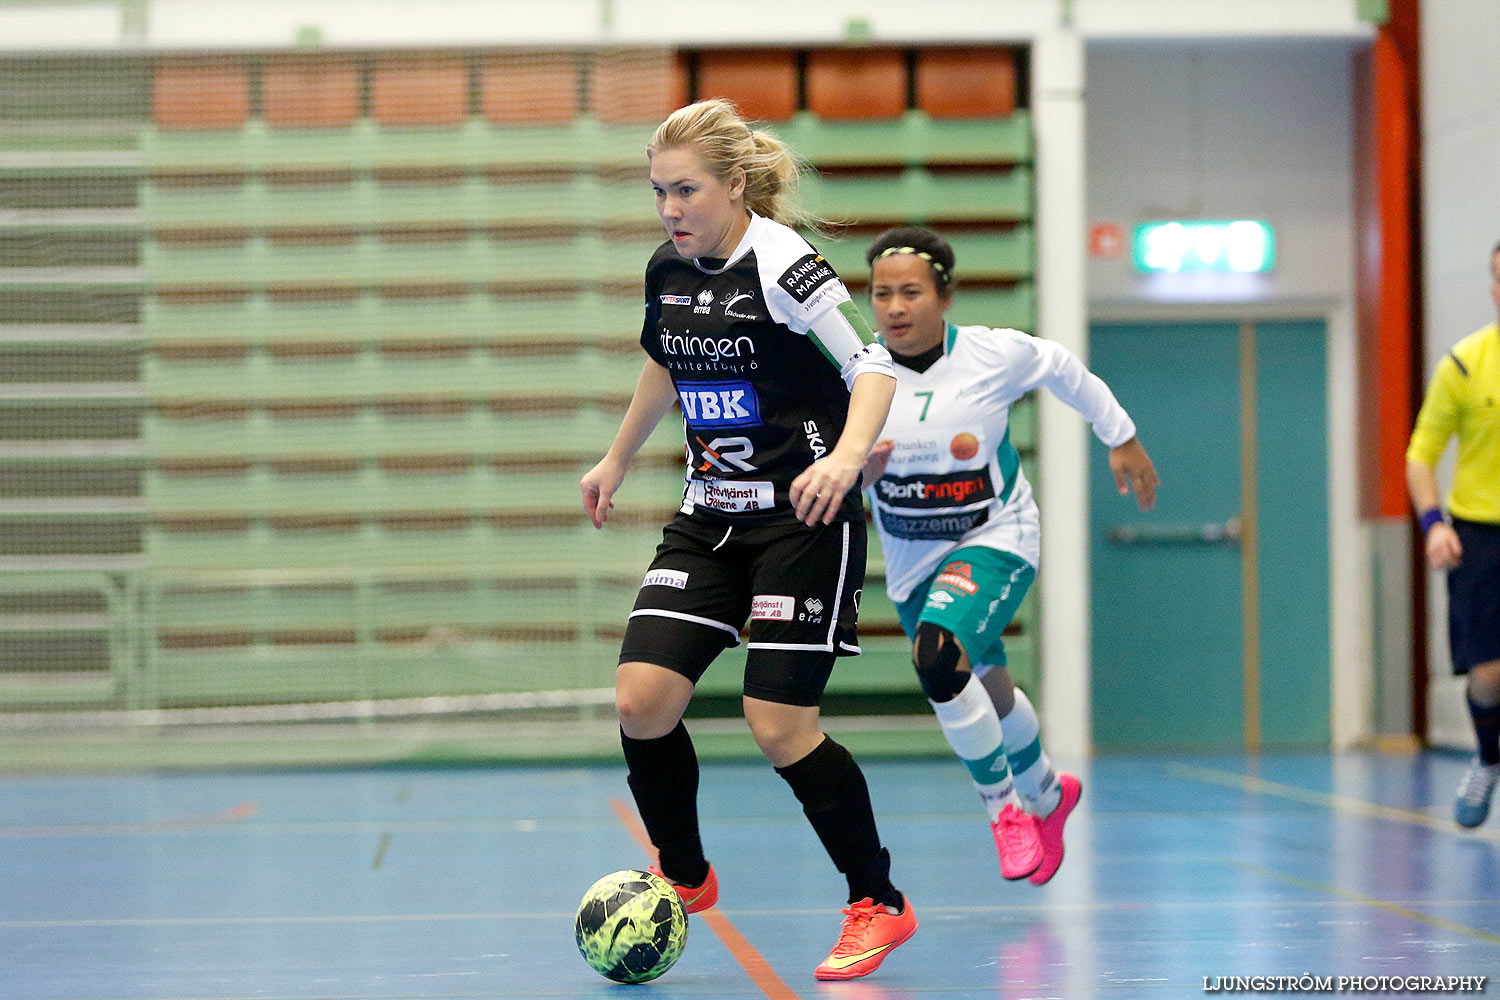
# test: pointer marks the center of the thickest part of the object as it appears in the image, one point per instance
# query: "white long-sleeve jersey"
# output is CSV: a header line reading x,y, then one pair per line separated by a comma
x,y
954,478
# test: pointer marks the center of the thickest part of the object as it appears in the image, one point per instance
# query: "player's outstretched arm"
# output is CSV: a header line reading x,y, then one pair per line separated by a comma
x,y
1133,469
654,394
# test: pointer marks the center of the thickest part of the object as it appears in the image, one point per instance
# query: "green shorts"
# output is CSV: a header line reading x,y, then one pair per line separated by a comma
x,y
974,595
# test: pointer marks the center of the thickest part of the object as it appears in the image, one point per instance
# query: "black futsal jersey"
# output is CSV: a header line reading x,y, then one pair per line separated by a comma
x,y
762,352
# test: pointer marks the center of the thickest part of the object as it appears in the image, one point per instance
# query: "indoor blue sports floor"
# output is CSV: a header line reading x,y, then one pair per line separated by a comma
x,y
462,882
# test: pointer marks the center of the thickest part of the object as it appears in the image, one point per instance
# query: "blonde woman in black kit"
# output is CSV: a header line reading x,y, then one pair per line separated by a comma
x,y
783,389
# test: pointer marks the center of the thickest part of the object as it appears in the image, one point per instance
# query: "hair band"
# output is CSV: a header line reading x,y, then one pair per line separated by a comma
x,y
937,266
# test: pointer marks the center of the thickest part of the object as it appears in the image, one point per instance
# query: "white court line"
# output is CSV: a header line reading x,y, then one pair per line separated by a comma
x,y
1236,905
335,827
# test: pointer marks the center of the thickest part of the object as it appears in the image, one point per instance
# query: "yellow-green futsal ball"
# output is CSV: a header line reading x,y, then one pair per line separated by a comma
x,y
631,926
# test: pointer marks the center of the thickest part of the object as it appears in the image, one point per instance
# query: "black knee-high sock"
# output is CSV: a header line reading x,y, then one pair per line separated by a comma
x,y
836,800
1487,728
664,780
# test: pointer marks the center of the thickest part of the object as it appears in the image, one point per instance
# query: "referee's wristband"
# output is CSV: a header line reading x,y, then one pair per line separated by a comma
x,y
1429,518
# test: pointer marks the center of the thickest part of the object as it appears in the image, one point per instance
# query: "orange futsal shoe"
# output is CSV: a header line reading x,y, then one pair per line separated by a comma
x,y
871,932
1049,829
695,898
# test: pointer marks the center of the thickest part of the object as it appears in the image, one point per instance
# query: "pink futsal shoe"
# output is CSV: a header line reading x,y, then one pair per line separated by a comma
x,y
696,898
1049,829
870,933
1017,842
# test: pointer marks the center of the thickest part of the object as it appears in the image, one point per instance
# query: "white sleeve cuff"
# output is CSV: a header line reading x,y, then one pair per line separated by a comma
x,y
870,358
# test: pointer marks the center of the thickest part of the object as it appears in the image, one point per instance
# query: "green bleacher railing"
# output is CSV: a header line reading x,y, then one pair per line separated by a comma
x,y
259,582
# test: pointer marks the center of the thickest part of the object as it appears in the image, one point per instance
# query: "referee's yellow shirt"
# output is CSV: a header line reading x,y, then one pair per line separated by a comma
x,y
1464,399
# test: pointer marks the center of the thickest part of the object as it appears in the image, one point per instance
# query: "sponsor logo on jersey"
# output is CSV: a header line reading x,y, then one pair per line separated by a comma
x,y
959,576
806,276
919,451
951,489
676,300
735,299
814,439
666,578
705,299
964,446
830,290
931,527
719,404
729,455
974,389
732,496
773,607
695,348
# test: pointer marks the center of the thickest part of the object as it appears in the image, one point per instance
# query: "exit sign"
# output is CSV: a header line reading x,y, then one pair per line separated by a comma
x,y
1242,246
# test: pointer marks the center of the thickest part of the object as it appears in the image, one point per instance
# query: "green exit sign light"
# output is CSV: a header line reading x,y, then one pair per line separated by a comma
x,y
1242,246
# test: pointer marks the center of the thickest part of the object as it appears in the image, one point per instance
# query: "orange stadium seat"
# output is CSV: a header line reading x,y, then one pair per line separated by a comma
x,y
634,86
200,94
966,82
540,88
682,86
761,82
420,91
856,83
316,92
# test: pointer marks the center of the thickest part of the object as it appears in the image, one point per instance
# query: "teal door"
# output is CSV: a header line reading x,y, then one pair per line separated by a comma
x,y
1210,613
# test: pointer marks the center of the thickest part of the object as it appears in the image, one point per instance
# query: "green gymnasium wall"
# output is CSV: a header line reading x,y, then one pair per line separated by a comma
x,y
302,357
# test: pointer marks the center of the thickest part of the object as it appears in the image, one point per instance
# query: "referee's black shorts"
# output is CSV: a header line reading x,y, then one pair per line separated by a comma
x,y
1474,596
799,587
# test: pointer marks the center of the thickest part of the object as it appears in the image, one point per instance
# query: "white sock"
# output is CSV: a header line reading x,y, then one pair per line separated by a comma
x,y
1035,780
972,729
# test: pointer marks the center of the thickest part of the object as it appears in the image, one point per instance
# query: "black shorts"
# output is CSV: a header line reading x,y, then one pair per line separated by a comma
x,y
1474,596
799,587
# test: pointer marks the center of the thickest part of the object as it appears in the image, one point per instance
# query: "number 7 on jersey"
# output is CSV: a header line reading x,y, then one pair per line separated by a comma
x,y
924,405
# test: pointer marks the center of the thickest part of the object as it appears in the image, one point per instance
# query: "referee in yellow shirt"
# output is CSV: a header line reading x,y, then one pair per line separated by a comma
x,y
1464,400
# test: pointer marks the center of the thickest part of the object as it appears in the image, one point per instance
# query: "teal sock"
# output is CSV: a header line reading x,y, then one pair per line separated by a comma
x,y
973,730
1035,780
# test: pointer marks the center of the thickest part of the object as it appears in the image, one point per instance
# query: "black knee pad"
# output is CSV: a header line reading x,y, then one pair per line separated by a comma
x,y
935,654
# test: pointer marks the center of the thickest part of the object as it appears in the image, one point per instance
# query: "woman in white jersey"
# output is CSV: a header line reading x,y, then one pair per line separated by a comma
x,y
960,532
783,388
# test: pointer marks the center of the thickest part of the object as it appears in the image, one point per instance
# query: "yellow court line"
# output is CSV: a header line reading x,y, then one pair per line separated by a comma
x,y
1343,804
1338,803
1355,897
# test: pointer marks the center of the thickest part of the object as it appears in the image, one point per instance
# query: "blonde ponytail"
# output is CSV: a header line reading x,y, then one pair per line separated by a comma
x,y
726,142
